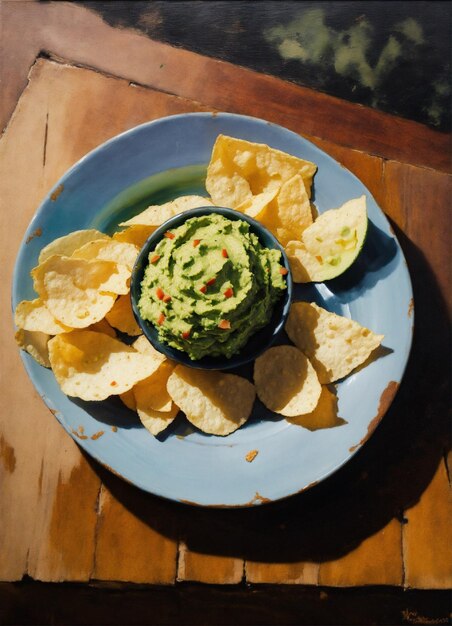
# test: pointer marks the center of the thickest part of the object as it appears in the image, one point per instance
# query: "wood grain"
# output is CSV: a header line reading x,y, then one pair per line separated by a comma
x,y
427,536
208,568
128,548
375,562
72,32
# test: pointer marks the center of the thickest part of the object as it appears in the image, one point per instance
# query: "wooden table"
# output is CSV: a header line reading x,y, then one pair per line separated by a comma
x,y
380,525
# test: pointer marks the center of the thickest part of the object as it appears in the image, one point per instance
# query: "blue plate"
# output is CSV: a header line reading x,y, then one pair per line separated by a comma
x,y
161,160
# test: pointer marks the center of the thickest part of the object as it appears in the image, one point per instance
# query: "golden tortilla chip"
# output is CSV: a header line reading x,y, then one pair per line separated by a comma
x,y
121,317
335,345
137,235
239,170
102,326
325,414
290,212
93,366
214,402
129,400
286,382
35,343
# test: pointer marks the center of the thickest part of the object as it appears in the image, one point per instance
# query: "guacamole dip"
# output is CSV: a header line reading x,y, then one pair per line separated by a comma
x,y
210,285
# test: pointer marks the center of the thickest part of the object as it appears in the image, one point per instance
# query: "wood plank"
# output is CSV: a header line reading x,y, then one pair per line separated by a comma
x,y
374,562
44,603
41,463
424,197
427,536
61,28
129,545
300,573
208,568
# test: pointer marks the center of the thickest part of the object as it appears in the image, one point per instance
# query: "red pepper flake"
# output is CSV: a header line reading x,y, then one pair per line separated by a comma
x,y
169,235
159,293
224,325
196,242
319,259
155,258
225,254
161,319
283,271
186,334
166,297
203,289
229,292
113,383
211,281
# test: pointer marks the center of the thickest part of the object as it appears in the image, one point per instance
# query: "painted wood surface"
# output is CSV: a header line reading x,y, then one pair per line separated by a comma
x,y
71,32
380,520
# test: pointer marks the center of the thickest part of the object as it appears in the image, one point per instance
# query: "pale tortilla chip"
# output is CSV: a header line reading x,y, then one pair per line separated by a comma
x,y
108,250
121,317
156,421
214,402
93,366
77,292
156,214
286,382
67,244
35,343
143,345
33,315
335,345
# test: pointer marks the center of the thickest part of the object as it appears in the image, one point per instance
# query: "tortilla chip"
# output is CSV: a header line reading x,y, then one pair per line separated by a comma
x,y
67,244
121,317
335,345
93,366
35,343
156,214
108,250
33,315
290,212
239,170
286,382
77,292
325,414
137,235
214,402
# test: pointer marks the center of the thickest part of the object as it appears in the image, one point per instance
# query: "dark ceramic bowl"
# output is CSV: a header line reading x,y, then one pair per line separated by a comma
x,y
258,342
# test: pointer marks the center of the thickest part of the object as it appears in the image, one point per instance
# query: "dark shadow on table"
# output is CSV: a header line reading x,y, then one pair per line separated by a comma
x,y
385,477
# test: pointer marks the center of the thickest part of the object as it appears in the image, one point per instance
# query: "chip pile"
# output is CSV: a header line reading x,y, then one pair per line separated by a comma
x,y
82,283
